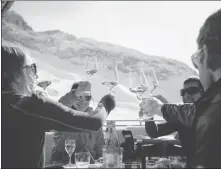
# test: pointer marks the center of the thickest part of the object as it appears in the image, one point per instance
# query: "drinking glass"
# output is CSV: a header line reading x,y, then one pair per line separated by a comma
x,y
150,163
91,66
44,84
177,161
82,159
111,76
130,165
70,148
139,85
138,82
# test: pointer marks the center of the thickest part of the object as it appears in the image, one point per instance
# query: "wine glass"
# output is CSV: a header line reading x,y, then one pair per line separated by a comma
x,y
111,77
153,78
44,84
138,82
139,85
91,66
70,148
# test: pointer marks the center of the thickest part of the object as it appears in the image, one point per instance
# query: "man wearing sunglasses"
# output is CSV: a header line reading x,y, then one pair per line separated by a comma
x,y
26,116
205,124
93,141
191,92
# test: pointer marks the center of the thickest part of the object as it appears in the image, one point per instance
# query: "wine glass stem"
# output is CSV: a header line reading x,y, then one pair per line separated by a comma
x,y
70,159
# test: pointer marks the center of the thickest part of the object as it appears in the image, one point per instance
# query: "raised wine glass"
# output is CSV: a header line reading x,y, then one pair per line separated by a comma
x,y
70,148
139,85
91,66
111,76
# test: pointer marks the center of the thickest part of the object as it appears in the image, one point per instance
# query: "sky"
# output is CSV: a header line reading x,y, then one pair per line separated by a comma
x,y
163,28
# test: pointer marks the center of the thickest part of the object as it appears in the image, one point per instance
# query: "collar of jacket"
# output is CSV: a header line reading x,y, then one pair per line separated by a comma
x,y
210,93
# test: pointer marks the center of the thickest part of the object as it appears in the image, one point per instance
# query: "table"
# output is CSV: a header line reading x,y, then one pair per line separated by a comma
x,y
163,140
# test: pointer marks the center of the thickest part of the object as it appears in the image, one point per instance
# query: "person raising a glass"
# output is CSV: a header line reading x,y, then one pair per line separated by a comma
x,y
85,141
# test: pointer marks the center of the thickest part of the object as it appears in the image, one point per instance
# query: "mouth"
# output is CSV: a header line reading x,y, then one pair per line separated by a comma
x,y
82,105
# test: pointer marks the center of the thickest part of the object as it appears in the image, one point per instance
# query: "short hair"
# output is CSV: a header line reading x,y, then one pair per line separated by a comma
x,y
13,59
210,35
193,79
75,85
82,85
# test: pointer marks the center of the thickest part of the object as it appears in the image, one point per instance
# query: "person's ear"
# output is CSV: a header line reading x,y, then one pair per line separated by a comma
x,y
204,57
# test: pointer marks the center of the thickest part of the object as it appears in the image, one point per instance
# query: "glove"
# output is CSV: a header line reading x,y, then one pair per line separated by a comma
x,y
109,102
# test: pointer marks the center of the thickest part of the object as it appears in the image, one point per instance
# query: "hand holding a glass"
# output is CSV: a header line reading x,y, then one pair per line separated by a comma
x,y
150,106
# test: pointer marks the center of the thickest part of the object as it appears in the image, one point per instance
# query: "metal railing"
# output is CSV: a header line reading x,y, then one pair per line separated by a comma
x,y
120,123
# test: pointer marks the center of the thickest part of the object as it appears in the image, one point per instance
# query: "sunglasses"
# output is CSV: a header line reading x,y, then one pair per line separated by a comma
x,y
86,98
33,67
191,91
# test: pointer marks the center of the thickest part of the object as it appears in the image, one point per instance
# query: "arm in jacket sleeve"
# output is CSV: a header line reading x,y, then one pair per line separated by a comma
x,y
157,130
57,116
208,140
179,113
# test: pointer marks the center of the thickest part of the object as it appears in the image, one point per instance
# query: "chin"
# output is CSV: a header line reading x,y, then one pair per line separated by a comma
x,y
82,108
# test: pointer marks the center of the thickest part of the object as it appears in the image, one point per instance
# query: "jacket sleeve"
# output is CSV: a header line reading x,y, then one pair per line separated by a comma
x,y
157,130
208,142
179,113
56,116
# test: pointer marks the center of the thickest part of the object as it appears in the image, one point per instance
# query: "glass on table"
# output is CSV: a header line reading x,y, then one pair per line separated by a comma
x,y
177,161
70,148
82,159
130,165
150,163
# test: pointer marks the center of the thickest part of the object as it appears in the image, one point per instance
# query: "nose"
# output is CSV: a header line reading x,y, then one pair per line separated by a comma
x,y
187,97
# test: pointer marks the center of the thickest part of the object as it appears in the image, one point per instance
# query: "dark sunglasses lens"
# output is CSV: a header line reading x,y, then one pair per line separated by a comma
x,y
87,98
191,91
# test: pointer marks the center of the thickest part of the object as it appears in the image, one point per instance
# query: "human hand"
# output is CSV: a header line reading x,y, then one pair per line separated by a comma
x,y
68,99
150,106
108,102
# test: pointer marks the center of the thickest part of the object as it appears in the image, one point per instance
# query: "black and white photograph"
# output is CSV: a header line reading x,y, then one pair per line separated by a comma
x,y
110,84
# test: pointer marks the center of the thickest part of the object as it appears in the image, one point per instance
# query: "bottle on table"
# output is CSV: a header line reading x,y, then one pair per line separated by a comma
x,y
111,150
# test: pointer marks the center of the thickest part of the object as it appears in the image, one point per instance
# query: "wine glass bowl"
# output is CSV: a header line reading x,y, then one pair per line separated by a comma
x,y
111,77
138,82
91,66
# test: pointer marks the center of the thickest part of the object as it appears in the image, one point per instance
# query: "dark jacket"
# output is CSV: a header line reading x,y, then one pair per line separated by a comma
x,y
93,141
25,121
207,125
179,118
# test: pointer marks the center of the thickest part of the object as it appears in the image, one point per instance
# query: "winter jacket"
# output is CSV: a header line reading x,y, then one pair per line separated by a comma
x,y
25,119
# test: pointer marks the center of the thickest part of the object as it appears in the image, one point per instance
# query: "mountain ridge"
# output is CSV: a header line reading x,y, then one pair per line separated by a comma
x,y
71,49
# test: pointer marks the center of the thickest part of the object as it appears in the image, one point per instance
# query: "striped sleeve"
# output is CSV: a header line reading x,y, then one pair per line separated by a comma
x,y
179,113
